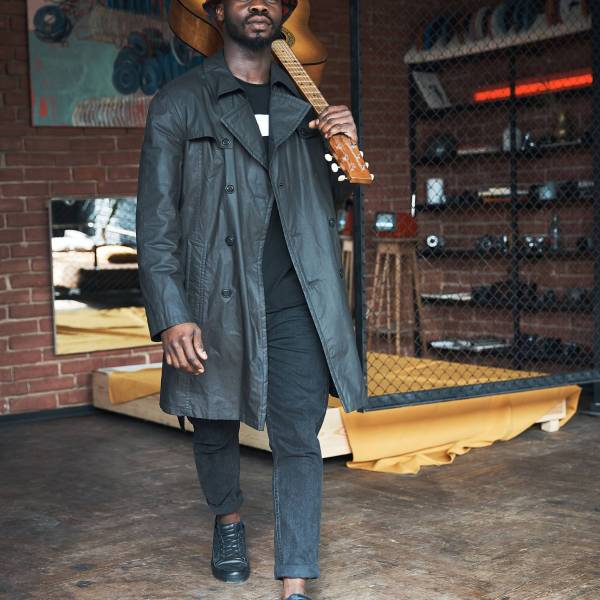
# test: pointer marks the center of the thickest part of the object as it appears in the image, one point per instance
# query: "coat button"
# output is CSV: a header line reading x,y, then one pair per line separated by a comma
x,y
331,222
229,189
226,293
226,142
341,272
281,184
229,240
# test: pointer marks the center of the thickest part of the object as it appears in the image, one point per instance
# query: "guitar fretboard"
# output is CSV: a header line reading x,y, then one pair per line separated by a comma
x,y
302,79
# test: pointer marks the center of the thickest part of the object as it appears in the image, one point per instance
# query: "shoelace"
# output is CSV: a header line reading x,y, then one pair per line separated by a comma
x,y
231,544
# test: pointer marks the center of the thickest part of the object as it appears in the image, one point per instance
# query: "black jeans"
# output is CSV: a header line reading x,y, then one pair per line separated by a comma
x,y
296,406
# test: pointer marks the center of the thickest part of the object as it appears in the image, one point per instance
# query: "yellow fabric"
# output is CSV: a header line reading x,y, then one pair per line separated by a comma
x,y
402,440
88,329
124,386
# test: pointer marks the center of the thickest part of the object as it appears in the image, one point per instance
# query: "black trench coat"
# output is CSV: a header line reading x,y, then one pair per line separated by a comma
x,y
206,191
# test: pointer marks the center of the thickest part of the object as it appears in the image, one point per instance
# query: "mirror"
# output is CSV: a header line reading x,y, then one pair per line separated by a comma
x,y
97,300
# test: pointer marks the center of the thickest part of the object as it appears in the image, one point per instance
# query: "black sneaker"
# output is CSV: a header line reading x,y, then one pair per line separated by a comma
x,y
229,558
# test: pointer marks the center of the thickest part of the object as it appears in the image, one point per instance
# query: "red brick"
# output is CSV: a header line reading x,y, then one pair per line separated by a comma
x,y
11,174
14,296
122,157
25,159
92,173
71,397
14,144
22,357
41,294
6,374
10,235
11,7
36,371
25,280
27,219
16,265
15,97
16,68
133,141
73,159
13,389
29,249
46,324
9,328
80,365
32,403
9,113
23,189
125,188
47,174
51,383
75,188
44,144
92,143
123,173
11,204
39,340
36,234
83,379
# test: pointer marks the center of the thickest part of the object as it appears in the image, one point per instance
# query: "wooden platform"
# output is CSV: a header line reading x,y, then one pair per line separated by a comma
x,y
332,436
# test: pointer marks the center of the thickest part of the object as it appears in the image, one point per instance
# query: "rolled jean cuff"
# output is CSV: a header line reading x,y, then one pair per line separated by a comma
x,y
227,508
297,571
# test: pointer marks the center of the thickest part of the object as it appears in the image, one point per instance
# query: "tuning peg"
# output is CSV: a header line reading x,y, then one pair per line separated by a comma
x,y
342,178
367,164
372,176
335,167
362,153
328,157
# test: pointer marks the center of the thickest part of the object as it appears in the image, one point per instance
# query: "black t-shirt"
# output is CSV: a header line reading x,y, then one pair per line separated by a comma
x,y
282,288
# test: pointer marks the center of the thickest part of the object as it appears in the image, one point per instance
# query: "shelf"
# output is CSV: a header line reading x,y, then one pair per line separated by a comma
x,y
531,355
537,153
467,302
524,204
450,253
539,32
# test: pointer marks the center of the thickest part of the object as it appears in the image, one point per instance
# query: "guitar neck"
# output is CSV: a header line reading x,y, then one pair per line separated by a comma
x,y
301,78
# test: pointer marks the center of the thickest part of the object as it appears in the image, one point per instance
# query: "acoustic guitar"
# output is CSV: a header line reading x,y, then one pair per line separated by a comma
x,y
300,54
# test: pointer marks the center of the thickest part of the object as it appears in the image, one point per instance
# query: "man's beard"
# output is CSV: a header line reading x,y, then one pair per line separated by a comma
x,y
257,42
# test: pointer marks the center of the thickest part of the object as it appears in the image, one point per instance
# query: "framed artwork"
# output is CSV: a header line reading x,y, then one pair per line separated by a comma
x,y
97,63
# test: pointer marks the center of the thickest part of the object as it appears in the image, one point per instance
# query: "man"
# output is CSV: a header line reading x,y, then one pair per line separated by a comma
x,y
241,272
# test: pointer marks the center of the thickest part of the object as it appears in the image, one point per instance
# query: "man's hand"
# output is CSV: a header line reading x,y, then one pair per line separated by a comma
x,y
336,119
182,345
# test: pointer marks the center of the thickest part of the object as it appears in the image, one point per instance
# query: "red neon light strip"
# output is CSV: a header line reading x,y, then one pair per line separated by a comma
x,y
533,87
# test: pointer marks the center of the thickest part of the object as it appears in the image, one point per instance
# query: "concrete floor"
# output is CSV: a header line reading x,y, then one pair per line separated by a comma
x,y
107,507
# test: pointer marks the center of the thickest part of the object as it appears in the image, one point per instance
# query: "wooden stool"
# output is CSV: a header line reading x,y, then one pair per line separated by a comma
x,y
387,291
348,266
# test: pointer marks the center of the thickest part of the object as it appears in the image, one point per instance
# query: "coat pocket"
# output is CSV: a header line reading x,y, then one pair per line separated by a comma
x,y
195,277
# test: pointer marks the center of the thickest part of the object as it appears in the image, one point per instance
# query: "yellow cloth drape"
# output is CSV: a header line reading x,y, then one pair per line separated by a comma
x,y
124,386
88,329
402,440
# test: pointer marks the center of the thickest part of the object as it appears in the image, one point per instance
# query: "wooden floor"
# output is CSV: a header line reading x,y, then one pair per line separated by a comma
x,y
107,507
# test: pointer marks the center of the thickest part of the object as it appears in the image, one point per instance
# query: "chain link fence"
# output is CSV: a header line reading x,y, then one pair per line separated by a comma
x,y
481,279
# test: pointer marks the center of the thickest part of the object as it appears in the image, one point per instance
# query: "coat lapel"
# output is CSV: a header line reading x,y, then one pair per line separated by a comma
x,y
286,113
241,123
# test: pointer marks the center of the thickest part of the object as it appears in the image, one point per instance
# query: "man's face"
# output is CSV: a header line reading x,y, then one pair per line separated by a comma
x,y
252,23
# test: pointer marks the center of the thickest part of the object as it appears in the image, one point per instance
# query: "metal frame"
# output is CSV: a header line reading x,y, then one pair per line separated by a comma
x,y
499,387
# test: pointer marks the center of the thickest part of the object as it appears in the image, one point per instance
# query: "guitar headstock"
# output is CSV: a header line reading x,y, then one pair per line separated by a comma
x,y
349,158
